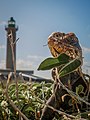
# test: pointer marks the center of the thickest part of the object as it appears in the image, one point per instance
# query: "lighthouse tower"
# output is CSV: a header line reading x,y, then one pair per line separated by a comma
x,y
11,44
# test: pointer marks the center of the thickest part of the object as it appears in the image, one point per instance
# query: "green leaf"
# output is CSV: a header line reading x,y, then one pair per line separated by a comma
x,y
30,109
50,63
70,102
79,89
70,67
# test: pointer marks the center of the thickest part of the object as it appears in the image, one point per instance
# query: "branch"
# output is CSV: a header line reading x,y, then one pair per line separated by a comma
x,y
10,101
12,43
72,93
60,112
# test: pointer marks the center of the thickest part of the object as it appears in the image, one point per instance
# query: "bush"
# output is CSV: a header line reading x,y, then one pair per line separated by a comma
x,y
32,97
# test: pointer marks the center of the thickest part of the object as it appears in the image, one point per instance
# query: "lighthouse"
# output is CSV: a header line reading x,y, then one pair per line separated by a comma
x,y
11,30
11,44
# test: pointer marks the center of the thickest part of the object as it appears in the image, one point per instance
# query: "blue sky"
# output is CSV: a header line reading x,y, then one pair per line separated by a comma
x,y
36,20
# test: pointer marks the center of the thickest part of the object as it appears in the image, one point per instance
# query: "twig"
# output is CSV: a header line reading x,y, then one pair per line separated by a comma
x,y
72,93
10,101
16,41
60,112
12,43
45,45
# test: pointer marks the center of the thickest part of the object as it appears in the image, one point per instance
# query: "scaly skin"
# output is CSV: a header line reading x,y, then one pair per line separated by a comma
x,y
64,43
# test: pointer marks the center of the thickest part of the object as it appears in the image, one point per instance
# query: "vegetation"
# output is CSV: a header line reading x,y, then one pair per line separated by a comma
x,y
32,97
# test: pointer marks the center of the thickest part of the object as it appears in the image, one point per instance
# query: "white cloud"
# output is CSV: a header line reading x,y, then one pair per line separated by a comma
x,y
35,60
32,62
23,64
86,67
2,64
3,22
86,63
35,57
27,64
85,49
2,46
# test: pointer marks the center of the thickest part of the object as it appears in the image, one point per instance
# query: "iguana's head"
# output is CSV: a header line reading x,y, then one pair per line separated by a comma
x,y
64,43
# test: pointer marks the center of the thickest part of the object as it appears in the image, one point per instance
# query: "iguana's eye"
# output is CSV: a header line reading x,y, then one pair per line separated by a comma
x,y
57,35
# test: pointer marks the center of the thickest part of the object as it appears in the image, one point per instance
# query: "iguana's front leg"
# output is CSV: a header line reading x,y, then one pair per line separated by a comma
x,y
54,101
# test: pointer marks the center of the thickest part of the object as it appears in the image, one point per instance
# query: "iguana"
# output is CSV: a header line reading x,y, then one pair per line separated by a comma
x,y
59,43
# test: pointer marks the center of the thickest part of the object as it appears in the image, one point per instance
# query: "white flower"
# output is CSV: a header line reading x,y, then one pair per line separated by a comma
x,y
7,111
4,104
